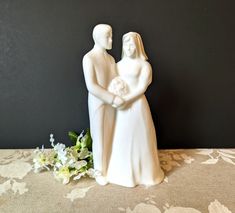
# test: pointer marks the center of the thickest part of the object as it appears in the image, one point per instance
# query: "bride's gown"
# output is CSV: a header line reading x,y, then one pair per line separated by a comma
x,y
134,158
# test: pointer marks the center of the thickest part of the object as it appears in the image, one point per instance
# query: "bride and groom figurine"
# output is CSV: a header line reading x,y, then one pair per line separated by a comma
x,y
122,129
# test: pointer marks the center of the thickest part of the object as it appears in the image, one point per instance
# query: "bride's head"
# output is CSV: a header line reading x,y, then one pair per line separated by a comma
x,y
132,46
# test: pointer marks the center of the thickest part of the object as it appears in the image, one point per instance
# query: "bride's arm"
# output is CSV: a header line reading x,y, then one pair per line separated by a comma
x,y
145,78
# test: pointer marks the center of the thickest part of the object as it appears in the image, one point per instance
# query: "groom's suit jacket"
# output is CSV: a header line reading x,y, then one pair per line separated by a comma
x,y
101,113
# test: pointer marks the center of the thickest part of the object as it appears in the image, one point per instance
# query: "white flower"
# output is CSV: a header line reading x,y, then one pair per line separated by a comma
x,y
84,153
65,162
62,178
62,156
61,152
79,137
57,165
52,139
38,167
59,147
42,159
64,174
71,162
79,164
118,87
93,173
79,175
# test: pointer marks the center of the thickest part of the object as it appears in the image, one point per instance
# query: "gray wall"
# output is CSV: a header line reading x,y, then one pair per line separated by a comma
x,y
190,45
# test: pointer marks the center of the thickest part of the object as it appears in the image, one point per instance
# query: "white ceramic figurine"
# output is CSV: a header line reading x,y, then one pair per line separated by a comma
x,y
99,69
134,158
122,129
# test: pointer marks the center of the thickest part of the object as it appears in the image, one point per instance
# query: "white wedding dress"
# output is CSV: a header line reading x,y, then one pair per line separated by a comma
x,y
134,157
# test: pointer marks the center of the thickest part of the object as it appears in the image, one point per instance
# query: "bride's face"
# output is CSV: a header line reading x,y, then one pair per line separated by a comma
x,y
129,48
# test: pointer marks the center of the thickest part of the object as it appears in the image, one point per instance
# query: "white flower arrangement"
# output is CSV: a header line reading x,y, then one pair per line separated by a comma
x,y
118,87
67,162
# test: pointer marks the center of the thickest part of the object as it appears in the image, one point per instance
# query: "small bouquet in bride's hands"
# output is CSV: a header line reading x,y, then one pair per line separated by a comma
x,y
118,87
66,162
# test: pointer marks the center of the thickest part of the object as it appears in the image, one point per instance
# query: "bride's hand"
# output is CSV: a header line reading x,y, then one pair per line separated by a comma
x,y
118,101
124,106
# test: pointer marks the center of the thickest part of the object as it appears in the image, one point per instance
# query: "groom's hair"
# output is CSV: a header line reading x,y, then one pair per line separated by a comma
x,y
100,29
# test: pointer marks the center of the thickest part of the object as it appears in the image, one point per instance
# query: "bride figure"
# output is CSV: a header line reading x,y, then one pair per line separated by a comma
x,y
134,158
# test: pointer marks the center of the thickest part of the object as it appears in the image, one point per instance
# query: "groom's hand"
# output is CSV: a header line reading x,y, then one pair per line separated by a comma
x,y
118,101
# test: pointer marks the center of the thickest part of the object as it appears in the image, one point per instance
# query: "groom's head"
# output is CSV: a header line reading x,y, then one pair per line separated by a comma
x,y
102,35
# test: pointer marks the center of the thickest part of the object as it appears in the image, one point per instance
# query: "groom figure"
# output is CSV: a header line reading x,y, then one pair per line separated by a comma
x,y
99,69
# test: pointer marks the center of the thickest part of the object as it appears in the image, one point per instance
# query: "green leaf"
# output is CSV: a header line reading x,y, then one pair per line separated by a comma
x,y
83,169
89,165
86,140
77,147
73,136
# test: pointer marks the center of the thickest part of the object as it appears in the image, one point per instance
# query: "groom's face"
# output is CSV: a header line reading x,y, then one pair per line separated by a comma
x,y
105,40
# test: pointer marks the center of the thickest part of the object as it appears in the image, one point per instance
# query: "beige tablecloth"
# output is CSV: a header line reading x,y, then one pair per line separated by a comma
x,y
197,180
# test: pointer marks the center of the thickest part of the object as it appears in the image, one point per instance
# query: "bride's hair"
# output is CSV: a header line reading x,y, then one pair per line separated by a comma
x,y
138,42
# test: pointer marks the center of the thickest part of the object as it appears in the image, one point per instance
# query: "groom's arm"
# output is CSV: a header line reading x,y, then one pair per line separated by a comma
x,y
92,86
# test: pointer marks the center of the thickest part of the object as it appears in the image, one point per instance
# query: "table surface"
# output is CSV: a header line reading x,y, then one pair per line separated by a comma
x,y
197,180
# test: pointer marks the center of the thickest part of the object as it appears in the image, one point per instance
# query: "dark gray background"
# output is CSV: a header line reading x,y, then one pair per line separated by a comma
x,y
190,45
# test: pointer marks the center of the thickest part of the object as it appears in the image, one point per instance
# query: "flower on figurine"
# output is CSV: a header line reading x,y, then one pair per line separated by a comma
x,y
118,87
75,161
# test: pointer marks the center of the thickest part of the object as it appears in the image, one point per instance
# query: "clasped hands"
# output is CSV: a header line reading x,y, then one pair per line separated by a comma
x,y
119,102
